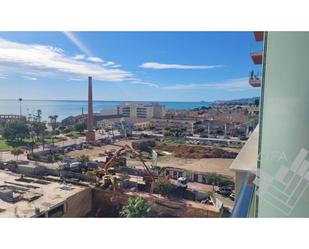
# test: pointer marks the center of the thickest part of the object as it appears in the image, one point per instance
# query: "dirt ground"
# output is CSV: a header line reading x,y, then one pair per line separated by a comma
x,y
218,165
204,187
205,165
196,151
95,152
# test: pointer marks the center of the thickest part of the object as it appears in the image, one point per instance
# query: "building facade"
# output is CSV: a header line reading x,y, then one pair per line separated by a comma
x,y
280,186
140,110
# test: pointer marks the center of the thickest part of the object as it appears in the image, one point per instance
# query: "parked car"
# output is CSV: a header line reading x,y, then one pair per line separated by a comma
x,y
226,190
75,166
232,197
182,183
92,165
208,200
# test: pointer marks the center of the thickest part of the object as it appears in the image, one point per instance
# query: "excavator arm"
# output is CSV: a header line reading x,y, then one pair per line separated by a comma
x,y
122,150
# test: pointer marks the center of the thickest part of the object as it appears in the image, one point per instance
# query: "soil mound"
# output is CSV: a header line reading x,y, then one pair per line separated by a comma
x,y
196,152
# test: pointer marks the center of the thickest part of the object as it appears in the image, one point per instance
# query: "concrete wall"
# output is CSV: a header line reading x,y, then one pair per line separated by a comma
x,y
43,171
106,205
80,204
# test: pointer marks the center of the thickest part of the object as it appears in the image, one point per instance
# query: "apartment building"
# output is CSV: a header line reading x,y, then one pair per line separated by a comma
x,y
279,188
11,117
141,110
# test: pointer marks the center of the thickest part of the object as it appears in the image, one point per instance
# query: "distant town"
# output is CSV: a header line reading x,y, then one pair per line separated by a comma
x,y
191,148
135,159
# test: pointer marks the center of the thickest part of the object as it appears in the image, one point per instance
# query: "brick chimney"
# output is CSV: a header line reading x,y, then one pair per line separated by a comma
x,y
90,135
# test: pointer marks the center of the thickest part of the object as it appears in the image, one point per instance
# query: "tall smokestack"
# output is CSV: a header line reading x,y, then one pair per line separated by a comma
x,y
90,135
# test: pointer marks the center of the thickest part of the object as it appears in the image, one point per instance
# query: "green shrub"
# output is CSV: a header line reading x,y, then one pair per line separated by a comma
x,y
57,157
34,156
169,143
163,186
209,194
217,179
136,208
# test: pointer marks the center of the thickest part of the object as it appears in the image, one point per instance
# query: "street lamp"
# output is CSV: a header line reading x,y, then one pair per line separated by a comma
x,y
20,100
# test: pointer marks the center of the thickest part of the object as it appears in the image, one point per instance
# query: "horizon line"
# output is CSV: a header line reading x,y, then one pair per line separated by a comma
x,y
209,101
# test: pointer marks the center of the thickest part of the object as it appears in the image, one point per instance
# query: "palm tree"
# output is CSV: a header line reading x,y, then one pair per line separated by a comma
x,y
53,123
38,115
136,208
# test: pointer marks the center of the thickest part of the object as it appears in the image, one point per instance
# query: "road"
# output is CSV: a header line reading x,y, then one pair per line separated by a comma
x,y
7,156
195,138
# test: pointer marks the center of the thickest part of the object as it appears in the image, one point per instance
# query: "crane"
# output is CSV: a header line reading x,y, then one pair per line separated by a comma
x,y
119,152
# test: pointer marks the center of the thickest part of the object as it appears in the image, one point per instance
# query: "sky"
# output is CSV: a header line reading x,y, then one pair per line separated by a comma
x,y
129,66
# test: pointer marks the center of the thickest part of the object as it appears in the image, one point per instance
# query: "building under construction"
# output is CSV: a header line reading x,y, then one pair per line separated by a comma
x,y
51,196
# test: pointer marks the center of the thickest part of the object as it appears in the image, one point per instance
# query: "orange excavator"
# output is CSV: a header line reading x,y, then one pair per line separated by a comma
x,y
107,174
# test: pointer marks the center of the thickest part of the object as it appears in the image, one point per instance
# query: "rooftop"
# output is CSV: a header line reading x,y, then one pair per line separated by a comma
x,y
27,197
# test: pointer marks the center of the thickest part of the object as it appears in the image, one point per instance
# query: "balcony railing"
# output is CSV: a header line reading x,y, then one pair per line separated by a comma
x,y
258,35
257,57
245,198
254,79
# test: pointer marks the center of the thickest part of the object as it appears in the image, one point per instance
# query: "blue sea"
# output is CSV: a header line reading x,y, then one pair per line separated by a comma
x,y
65,108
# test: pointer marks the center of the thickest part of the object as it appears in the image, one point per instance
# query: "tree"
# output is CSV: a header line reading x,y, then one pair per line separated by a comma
x,y
136,208
16,152
163,186
80,127
38,116
38,128
83,159
15,130
53,123
40,131
217,179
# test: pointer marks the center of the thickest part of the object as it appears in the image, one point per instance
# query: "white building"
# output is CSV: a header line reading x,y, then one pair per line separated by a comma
x,y
107,112
141,110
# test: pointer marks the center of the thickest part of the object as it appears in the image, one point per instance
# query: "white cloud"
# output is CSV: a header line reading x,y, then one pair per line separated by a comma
x,y
108,63
28,57
77,42
145,83
94,59
115,66
77,79
79,57
28,77
156,65
228,85
3,76
88,58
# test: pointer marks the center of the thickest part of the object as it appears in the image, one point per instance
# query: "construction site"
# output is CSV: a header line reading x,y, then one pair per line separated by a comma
x,y
27,191
99,178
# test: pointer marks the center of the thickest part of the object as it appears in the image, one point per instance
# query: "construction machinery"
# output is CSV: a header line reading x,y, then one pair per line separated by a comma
x,y
182,183
107,172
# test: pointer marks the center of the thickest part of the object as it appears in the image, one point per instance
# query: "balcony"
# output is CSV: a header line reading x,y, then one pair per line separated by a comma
x,y
258,35
255,80
257,57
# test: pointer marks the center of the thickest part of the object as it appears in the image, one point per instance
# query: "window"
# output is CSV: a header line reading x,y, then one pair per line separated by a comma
x,y
57,211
